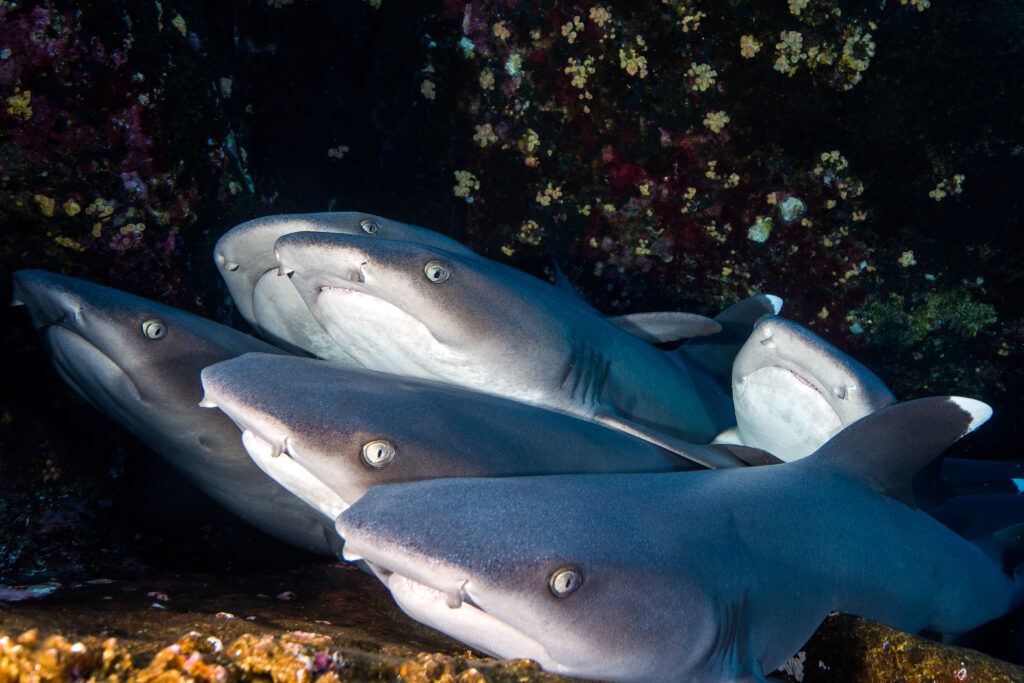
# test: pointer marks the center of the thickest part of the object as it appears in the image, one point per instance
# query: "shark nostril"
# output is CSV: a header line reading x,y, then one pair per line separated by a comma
x,y
767,341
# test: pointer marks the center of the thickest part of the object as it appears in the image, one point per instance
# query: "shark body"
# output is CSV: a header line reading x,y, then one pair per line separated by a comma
x,y
138,361
717,575
409,309
793,391
330,432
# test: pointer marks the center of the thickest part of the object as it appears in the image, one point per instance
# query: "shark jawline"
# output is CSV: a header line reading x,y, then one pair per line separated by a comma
x,y
60,351
279,465
466,605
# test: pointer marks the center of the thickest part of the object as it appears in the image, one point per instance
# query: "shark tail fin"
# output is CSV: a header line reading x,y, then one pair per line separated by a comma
x,y
887,448
715,353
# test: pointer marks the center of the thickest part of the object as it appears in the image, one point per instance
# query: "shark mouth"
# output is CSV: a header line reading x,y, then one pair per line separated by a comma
x,y
457,614
273,456
70,352
278,463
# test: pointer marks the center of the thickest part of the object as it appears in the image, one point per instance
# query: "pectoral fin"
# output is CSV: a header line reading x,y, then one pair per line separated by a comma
x,y
710,458
665,326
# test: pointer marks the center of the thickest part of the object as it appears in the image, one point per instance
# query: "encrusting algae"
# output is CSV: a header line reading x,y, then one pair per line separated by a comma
x,y
296,657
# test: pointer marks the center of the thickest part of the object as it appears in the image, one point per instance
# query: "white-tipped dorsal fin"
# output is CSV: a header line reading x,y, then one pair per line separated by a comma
x,y
715,353
887,448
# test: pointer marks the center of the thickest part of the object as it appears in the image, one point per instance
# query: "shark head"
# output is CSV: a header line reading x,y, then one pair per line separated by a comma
x,y
330,432
512,568
139,362
245,258
793,391
135,359
407,308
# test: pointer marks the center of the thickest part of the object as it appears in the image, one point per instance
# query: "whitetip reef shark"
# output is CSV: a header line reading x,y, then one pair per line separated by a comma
x,y
245,258
792,391
709,575
419,311
330,432
139,362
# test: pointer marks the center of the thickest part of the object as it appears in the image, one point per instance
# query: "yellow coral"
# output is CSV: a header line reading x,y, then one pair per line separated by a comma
x,y
907,259
716,121
466,184
789,51
487,80
69,243
529,142
921,5
600,15
947,187
634,64
796,6
530,233
579,70
71,207
485,135
749,46
702,75
428,89
550,193
46,204
572,29
501,31
20,104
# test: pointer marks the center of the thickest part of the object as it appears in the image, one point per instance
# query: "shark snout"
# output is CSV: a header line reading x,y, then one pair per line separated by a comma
x,y
47,298
223,262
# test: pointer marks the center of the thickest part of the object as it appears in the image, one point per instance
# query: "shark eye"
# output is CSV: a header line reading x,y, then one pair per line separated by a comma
x,y
436,271
564,581
369,227
378,453
154,329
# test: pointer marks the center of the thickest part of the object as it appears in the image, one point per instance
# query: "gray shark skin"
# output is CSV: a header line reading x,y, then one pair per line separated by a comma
x,y
412,310
307,423
138,362
712,575
245,258
792,390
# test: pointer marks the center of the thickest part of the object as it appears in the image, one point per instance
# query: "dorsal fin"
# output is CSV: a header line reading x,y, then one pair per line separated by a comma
x,y
715,353
887,448
665,326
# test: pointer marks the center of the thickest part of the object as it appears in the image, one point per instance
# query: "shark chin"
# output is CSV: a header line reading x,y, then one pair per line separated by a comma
x,y
379,335
465,621
795,408
278,464
105,385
